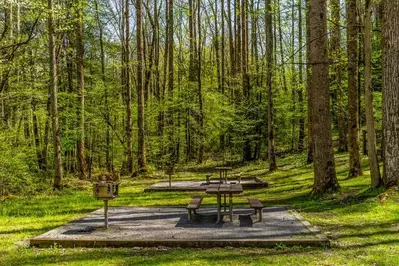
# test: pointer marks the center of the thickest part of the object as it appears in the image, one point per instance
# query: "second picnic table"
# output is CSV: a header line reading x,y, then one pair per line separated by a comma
x,y
224,189
223,172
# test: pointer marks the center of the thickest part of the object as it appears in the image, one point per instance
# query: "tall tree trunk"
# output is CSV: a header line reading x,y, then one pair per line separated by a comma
x,y
140,89
54,104
128,91
108,163
39,155
231,40
336,55
353,100
293,78
170,45
308,86
244,49
269,85
280,34
223,60
80,93
390,81
300,85
201,111
216,42
237,23
325,179
376,180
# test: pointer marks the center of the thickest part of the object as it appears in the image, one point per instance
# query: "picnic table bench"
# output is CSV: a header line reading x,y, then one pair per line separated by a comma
x,y
193,206
257,205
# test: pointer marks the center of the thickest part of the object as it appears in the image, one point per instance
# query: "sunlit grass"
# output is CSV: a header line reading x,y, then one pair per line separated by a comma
x,y
362,223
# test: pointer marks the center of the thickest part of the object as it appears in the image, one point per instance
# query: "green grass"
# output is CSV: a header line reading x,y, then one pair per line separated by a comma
x,y
362,223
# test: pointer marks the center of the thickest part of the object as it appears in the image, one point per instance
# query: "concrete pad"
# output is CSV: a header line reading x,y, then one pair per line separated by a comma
x,y
169,226
246,182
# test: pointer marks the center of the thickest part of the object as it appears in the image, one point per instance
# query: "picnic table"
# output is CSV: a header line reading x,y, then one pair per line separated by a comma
x,y
224,189
223,172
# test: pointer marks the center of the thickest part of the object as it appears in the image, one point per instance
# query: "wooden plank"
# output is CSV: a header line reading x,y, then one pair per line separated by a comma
x,y
223,168
255,203
195,203
212,190
237,188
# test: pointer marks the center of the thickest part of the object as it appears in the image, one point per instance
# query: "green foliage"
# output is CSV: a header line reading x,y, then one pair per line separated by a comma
x,y
18,171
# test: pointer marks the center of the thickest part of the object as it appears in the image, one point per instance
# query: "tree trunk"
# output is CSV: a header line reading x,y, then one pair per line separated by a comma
x,y
54,105
80,93
280,34
216,42
237,23
244,49
376,180
108,163
201,111
222,55
231,40
390,81
170,45
128,92
308,86
294,84
269,85
336,57
324,166
300,85
142,162
353,100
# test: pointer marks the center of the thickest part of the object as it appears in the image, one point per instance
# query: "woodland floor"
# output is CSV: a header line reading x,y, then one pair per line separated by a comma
x,y
362,224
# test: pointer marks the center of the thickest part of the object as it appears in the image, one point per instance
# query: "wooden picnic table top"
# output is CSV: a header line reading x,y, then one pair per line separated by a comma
x,y
224,189
223,168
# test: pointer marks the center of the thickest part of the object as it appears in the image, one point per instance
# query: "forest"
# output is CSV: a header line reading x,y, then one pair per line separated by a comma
x,y
299,96
135,86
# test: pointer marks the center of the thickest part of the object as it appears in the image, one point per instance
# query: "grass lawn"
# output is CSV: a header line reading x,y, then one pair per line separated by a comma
x,y
362,224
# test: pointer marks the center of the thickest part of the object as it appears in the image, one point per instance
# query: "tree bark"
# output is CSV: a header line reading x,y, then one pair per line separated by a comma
x,y
170,45
244,49
57,185
231,40
201,109
324,166
353,93
142,160
108,163
300,85
128,91
280,34
294,83
376,180
336,69
80,93
390,81
308,86
269,85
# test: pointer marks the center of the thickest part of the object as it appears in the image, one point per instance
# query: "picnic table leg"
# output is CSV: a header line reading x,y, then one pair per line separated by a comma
x,y
220,177
224,202
231,207
189,216
219,203
106,214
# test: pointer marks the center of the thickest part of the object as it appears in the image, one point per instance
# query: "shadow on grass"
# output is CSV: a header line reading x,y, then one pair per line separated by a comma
x,y
151,256
29,231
